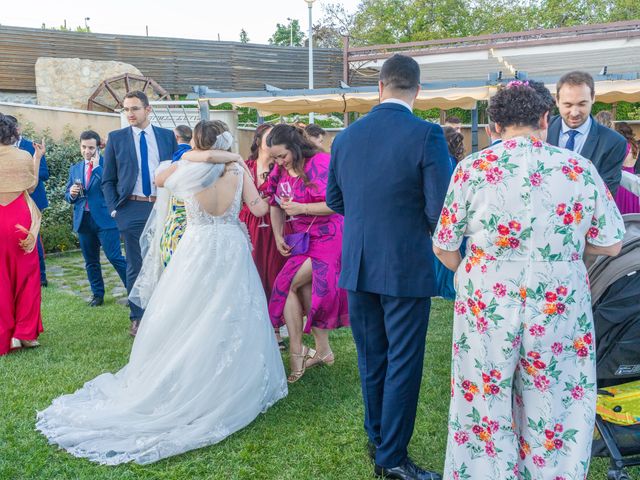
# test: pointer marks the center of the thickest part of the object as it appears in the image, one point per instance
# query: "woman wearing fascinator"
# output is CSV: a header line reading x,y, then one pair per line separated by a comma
x,y
205,362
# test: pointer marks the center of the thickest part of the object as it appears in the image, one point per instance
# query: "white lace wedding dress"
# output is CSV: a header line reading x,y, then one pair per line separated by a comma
x,y
205,361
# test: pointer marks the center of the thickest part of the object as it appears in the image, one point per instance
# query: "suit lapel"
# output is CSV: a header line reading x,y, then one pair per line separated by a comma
x,y
131,146
553,135
591,142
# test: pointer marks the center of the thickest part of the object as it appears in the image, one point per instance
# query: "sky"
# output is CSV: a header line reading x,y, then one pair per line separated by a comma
x,y
199,19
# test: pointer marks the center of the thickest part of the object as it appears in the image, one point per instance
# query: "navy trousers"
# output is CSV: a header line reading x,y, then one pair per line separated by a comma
x,y
389,333
91,238
131,218
43,267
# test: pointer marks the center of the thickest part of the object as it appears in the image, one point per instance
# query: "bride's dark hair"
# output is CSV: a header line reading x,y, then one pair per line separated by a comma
x,y
293,139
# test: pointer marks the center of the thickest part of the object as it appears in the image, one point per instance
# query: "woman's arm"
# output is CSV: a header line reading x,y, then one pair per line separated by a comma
x,y
252,198
317,209
37,156
609,251
449,259
211,156
162,176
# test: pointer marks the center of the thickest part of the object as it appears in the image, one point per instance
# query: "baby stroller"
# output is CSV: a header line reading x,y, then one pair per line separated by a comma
x,y
615,291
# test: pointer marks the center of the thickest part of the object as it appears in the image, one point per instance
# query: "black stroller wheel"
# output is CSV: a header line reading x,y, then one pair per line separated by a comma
x,y
618,474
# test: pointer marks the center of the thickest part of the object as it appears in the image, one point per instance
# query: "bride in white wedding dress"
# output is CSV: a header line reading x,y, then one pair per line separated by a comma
x,y
205,362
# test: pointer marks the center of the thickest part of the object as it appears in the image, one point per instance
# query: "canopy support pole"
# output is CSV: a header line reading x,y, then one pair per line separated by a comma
x,y
474,129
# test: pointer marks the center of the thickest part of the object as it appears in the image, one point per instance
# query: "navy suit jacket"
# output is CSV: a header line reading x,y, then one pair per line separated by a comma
x,y
92,194
604,147
39,195
121,163
388,176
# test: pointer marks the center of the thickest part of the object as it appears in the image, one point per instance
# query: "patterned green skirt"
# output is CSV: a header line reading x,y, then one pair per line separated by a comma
x,y
173,229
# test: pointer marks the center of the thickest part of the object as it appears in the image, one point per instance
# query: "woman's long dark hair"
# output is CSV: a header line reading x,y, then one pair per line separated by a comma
x,y
293,139
257,140
624,129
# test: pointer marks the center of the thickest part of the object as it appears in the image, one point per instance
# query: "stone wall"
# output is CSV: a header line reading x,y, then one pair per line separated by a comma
x,y
69,82
18,97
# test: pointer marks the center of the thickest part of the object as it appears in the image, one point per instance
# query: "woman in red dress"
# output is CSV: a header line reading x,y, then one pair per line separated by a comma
x,y
20,318
265,253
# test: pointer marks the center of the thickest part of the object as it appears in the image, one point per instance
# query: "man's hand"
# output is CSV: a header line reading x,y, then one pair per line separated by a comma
x,y
40,149
75,190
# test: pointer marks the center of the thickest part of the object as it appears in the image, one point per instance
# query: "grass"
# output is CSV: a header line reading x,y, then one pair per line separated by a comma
x,y
315,433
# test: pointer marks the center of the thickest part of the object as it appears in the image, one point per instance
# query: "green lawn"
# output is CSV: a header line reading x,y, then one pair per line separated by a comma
x,y
315,433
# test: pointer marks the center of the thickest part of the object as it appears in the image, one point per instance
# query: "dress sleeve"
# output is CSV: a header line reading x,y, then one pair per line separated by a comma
x,y
452,223
607,226
318,173
271,185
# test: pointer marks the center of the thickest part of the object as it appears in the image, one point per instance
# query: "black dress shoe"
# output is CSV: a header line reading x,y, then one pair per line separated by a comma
x,y
371,450
96,301
134,327
44,283
407,471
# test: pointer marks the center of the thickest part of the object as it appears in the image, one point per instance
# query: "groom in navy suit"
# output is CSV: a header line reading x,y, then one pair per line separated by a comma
x,y
91,219
130,159
389,175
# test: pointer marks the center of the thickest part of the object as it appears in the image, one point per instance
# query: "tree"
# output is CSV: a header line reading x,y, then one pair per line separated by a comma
x,y
335,23
244,38
288,35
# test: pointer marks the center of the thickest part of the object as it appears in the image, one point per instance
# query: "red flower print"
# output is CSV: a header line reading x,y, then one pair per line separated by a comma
x,y
534,355
577,392
568,219
539,364
573,161
481,325
494,175
516,342
514,225
542,383
561,290
578,169
514,242
490,450
445,235
537,330
582,352
492,157
476,163
468,397
558,443
510,144
550,297
503,230
499,290
461,437
588,339
477,429
486,378
494,389
577,207
538,461
558,428
537,143
556,348
593,232
535,179
549,434
495,374
466,384
565,169
460,307
561,208
560,307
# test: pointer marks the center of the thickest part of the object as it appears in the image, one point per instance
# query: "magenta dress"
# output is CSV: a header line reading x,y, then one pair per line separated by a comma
x,y
329,308
626,201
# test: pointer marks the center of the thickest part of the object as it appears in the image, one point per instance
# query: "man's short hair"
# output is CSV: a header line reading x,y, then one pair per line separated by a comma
x,y
184,132
576,78
453,120
400,72
139,95
90,134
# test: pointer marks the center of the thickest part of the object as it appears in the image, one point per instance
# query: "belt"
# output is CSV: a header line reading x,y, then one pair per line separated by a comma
x,y
139,198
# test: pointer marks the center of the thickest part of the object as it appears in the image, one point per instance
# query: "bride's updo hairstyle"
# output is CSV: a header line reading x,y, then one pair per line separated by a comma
x,y
293,139
206,133
517,105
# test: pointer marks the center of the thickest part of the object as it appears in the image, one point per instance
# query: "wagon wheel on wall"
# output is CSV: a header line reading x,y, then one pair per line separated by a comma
x,y
110,93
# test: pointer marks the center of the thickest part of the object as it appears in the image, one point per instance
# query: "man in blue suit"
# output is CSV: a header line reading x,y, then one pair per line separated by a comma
x,y
91,219
388,176
130,159
39,195
575,129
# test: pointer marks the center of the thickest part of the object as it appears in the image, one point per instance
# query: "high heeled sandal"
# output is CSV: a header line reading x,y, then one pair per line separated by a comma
x,y
307,353
327,359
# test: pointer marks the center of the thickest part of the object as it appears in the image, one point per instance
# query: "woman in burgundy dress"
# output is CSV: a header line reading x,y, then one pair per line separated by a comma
x,y
308,282
265,253
628,202
20,318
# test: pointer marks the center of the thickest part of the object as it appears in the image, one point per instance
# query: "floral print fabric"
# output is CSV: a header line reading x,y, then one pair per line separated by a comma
x,y
523,384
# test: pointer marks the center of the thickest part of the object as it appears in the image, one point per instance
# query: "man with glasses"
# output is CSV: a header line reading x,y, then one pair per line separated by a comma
x,y
130,160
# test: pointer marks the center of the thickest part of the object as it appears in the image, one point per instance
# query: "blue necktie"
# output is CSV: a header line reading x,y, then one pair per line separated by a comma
x,y
144,164
571,141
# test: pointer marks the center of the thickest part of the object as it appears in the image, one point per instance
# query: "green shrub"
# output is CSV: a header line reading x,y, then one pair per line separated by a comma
x,y
57,227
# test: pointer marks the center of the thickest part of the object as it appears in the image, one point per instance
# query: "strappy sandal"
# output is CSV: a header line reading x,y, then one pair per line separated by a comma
x,y
327,359
307,353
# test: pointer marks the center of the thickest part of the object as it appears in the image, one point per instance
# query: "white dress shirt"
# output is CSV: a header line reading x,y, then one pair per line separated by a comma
x,y
153,158
399,102
581,138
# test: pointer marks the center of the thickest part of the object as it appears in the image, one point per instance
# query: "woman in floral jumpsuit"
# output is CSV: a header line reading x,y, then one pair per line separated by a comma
x,y
523,379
